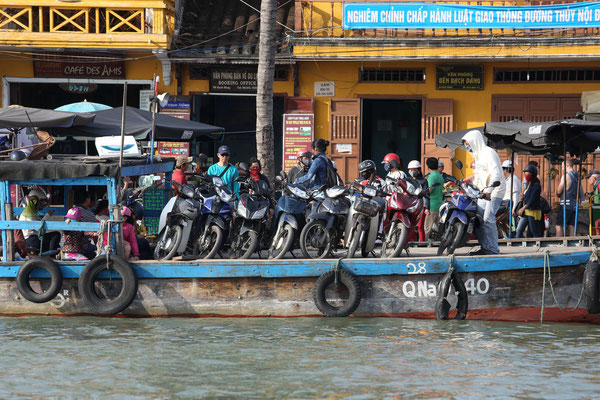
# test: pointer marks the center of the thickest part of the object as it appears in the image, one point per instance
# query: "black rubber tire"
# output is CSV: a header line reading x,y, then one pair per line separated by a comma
x,y
56,279
87,281
442,305
252,238
591,287
401,235
353,246
327,249
346,279
177,233
216,244
290,236
459,231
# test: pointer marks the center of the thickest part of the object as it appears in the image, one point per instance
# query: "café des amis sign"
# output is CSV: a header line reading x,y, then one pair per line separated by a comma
x,y
78,66
444,15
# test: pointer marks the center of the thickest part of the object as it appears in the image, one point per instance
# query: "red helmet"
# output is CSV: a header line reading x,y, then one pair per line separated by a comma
x,y
393,159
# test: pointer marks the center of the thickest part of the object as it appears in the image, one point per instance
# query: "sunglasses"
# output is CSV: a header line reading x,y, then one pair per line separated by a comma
x,y
224,155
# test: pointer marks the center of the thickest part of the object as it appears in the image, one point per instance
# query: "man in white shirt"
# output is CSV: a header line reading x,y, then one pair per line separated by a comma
x,y
507,168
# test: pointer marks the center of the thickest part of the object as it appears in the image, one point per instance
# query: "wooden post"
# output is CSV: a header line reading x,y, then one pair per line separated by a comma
x,y
10,239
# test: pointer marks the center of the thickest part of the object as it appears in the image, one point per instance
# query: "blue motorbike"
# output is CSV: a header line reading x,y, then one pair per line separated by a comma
x,y
289,217
459,217
215,217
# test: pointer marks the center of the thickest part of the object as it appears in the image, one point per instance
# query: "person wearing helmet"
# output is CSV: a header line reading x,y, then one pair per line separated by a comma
x,y
393,166
76,245
129,239
37,201
436,195
302,168
488,170
531,211
368,173
414,170
507,168
317,173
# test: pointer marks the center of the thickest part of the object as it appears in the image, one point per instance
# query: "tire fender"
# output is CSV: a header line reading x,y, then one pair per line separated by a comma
x,y
346,279
56,279
88,277
290,219
215,220
591,287
442,305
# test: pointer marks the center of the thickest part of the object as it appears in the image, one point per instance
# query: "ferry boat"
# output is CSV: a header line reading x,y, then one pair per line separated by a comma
x,y
530,280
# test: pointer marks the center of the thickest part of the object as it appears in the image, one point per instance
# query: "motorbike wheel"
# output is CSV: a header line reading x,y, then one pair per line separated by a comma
x,y
502,230
212,245
315,237
457,238
353,246
169,242
282,243
245,245
393,248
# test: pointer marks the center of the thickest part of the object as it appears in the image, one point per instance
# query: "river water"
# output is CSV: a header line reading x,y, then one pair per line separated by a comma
x,y
296,358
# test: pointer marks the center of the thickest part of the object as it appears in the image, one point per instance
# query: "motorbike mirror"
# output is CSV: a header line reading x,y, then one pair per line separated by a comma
x,y
283,175
278,179
202,159
459,164
495,184
243,167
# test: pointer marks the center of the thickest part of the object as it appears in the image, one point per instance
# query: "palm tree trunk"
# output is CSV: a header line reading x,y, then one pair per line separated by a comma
x,y
267,46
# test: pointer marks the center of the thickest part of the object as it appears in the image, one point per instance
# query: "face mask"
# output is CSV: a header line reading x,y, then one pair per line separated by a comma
x,y
414,174
469,149
386,167
254,171
528,177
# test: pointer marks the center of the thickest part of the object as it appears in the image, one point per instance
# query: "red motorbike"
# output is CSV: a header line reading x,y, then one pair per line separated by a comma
x,y
404,210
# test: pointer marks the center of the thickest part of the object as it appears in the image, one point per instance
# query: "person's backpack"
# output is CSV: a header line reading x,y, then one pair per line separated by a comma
x,y
332,176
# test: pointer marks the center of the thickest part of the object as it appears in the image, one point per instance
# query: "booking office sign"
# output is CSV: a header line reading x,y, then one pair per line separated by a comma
x,y
453,16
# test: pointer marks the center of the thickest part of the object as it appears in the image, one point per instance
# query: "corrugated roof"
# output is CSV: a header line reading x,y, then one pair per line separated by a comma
x,y
211,28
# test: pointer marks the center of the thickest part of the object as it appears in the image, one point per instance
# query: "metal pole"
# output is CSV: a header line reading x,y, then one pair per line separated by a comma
x,y
153,105
512,190
564,193
122,139
578,195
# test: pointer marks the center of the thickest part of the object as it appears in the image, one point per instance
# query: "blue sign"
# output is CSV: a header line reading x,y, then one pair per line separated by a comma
x,y
452,16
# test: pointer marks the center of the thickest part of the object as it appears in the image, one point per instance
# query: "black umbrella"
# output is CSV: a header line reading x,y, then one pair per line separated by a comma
x,y
138,123
22,117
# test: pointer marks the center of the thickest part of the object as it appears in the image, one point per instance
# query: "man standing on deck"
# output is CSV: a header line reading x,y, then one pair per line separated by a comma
x,y
224,170
566,214
488,170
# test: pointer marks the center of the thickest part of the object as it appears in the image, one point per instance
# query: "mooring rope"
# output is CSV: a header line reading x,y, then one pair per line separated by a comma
x,y
547,266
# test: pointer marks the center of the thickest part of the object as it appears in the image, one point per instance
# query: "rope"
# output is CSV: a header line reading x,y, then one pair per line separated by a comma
x,y
451,262
547,266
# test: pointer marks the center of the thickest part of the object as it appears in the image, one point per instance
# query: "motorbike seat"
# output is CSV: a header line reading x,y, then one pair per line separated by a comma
x,y
503,208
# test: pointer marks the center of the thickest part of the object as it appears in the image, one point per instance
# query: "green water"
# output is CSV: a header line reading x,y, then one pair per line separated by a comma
x,y
296,358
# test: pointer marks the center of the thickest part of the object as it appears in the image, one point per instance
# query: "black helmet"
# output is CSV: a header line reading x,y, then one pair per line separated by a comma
x,y
365,166
17,155
532,169
137,209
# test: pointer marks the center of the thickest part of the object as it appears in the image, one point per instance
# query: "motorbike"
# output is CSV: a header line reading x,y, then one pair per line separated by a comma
x,y
405,208
250,217
289,217
364,216
215,217
326,221
176,223
459,217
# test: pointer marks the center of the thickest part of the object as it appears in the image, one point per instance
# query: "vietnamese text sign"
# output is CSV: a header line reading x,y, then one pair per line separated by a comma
x,y
297,135
443,15
459,77
173,149
232,81
325,89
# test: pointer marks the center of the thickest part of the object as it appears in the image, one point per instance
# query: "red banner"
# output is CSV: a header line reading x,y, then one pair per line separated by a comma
x,y
297,135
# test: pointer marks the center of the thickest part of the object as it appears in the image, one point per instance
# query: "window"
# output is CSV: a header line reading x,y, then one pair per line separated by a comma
x,y
546,75
392,75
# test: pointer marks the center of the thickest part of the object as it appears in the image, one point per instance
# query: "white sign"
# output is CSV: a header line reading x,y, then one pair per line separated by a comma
x,y
343,148
145,99
325,89
187,134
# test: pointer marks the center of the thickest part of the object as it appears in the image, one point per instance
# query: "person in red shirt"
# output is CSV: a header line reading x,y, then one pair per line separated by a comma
x,y
182,164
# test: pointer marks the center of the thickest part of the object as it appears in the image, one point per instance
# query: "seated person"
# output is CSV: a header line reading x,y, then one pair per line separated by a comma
x,y
129,239
76,245
36,201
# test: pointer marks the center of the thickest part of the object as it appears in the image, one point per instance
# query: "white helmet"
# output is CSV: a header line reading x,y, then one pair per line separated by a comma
x,y
37,193
414,164
507,164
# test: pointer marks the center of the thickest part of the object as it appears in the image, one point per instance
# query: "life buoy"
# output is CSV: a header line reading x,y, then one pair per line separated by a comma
x,y
591,287
345,279
442,305
89,276
56,279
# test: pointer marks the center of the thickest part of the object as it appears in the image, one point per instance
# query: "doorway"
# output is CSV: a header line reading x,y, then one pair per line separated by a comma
x,y
391,126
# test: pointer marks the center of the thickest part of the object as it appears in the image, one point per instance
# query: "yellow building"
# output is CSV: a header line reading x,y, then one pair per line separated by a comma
x,y
393,89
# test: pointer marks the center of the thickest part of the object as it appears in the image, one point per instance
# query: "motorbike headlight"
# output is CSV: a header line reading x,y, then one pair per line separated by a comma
x,y
369,191
187,191
242,210
262,212
472,192
224,194
299,191
413,208
335,191
217,181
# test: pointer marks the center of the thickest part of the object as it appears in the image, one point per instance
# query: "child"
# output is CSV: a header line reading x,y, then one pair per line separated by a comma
x,y
129,239
76,245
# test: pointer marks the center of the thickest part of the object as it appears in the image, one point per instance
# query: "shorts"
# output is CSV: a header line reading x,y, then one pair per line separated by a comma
x,y
570,217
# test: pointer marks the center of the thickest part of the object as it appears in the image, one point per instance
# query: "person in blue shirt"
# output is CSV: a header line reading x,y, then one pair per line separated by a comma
x,y
225,169
317,173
